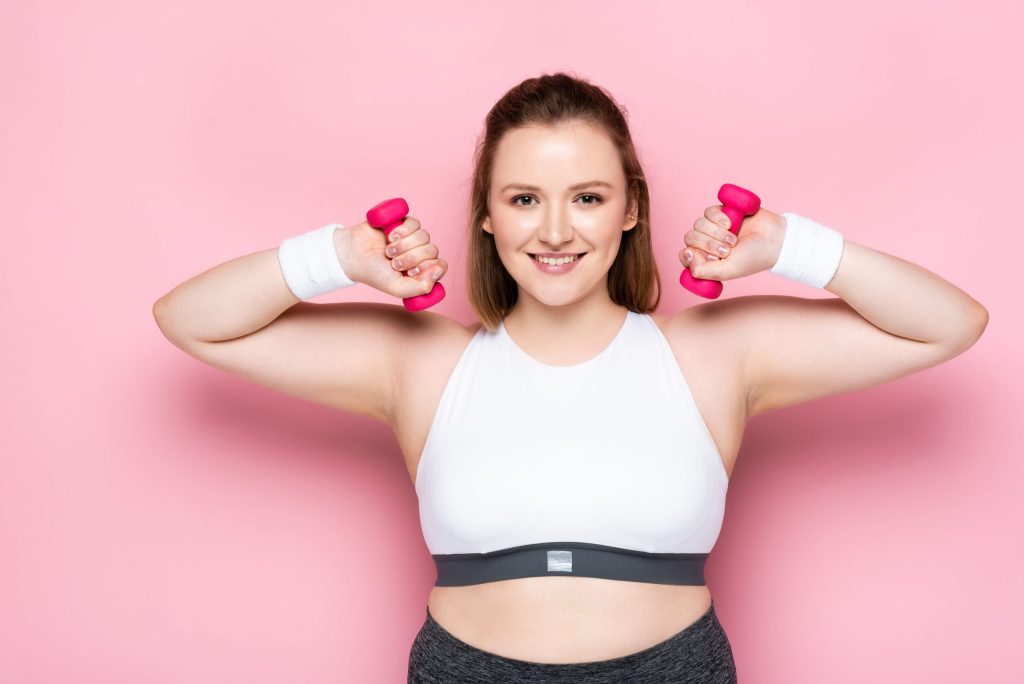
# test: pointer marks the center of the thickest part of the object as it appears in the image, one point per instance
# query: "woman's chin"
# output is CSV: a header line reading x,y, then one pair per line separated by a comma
x,y
553,295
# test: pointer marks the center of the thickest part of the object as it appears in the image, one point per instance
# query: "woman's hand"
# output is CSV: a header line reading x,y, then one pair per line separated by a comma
x,y
409,272
755,249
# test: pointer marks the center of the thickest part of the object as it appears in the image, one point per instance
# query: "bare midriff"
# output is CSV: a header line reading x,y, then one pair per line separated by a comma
x,y
566,619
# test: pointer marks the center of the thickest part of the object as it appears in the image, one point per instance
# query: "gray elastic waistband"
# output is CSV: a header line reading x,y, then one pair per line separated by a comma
x,y
569,558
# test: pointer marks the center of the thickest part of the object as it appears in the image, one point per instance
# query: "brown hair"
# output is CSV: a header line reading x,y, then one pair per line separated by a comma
x,y
553,99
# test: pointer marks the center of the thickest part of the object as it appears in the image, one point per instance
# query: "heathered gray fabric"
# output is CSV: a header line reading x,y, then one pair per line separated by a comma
x,y
699,654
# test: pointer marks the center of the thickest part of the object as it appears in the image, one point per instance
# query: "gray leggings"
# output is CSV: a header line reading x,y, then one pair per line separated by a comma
x,y
699,654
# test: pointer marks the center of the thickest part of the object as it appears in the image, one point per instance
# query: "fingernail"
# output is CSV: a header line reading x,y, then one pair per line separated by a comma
x,y
723,250
688,255
393,235
712,257
413,271
731,239
390,251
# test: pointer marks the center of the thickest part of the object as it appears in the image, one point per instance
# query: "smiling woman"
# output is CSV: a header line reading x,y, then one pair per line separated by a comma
x,y
577,521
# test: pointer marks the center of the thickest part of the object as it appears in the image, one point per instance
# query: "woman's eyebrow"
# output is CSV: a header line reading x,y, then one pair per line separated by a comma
x,y
578,186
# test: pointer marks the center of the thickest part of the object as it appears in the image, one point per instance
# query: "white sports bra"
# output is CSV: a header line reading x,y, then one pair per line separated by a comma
x,y
604,468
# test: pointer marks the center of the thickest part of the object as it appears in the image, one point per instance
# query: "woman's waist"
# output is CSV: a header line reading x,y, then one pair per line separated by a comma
x,y
568,619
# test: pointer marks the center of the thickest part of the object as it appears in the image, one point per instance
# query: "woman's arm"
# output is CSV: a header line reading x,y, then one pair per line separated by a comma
x,y
241,317
905,299
892,318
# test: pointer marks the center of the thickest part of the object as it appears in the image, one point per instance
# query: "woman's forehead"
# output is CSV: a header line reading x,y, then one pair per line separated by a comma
x,y
555,158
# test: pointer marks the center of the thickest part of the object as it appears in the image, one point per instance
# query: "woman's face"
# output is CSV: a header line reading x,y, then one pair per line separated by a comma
x,y
541,200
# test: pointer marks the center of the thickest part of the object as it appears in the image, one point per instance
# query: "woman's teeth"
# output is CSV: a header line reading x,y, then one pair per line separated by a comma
x,y
555,262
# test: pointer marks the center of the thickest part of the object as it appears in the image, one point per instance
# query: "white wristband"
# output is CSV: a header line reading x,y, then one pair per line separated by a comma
x,y
309,263
810,252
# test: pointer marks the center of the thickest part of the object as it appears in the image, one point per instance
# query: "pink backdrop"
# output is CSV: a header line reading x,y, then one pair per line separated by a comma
x,y
162,521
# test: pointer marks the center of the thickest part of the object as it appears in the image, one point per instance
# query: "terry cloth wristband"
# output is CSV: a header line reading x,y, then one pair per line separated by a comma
x,y
310,265
810,252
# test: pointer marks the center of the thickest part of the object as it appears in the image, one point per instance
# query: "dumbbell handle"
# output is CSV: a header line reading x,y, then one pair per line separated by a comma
x,y
736,204
387,216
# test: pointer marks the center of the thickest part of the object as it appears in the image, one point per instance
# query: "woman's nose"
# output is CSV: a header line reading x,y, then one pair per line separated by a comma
x,y
556,229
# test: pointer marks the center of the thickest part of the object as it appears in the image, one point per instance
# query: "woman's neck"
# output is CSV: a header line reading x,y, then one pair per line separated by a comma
x,y
565,335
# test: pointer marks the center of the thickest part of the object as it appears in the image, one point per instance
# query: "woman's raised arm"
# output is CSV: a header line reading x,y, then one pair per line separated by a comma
x,y
892,318
241,317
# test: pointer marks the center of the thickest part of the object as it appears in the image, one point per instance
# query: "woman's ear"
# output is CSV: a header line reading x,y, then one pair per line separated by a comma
x,y
486,225
632,216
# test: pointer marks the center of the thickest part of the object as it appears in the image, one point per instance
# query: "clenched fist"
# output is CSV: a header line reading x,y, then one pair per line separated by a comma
x,y
755,249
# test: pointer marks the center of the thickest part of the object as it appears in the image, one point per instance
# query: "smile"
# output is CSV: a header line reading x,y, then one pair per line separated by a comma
x,y
557,266
560,260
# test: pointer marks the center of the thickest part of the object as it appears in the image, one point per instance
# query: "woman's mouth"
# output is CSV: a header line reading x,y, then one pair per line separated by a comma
x,y
557,266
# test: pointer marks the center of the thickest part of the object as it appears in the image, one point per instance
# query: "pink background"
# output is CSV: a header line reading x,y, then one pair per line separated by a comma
x,y
162,521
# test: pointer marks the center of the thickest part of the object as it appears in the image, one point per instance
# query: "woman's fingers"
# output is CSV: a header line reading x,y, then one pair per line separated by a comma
x,y
718,218
717,228
709,238
409,251
430,267
414,257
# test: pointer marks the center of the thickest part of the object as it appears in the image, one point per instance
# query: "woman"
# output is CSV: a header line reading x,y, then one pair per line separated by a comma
x,y
571,451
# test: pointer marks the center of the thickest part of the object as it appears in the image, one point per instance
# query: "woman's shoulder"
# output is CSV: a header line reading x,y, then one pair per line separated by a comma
x,y
434,344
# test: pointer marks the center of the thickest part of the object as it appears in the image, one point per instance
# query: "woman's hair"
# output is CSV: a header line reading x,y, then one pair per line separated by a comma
x,y
553,99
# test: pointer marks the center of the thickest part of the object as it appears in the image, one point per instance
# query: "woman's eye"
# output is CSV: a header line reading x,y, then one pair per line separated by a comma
x,y
515,200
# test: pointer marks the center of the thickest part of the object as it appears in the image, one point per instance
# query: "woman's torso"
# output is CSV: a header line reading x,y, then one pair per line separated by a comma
x,y
571,619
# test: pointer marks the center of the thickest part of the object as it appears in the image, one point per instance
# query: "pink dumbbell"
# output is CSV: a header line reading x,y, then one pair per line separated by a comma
x,y
387,216
736,203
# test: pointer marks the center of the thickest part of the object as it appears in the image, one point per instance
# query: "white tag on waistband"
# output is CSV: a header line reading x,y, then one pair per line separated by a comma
x,y
559,561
